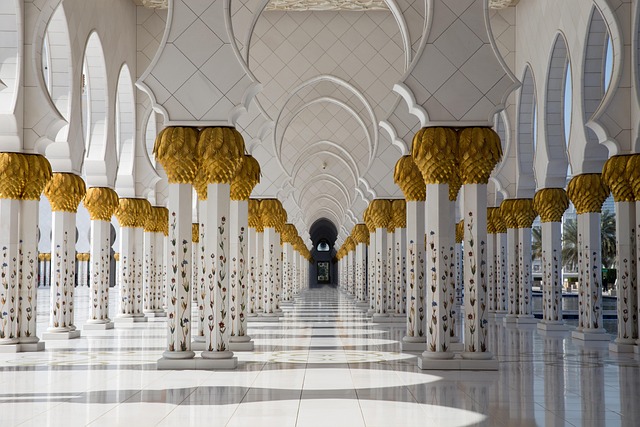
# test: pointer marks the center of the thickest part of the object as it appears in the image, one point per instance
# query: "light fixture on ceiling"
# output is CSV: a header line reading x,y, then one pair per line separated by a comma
x,y
324,165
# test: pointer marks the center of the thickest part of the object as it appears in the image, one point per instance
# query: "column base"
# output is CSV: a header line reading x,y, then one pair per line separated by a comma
x,y
548,326
591,335
456,347
97,326
31,347
155,313
510,318
198,343
385,318
265,318
413,343
497,315
10,348
241,345
622,347
196,363
457,364
526,319
129,320
68,335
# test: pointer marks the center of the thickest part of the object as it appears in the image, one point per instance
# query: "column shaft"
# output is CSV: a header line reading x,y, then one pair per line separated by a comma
x,y
525,310
100,272
552,272
492,258
238,246
440,271
371,272
501,273
381,271
475,280
63,228
269,269
9,245
400,253
513,307
217,249
415,272
178,258
28,270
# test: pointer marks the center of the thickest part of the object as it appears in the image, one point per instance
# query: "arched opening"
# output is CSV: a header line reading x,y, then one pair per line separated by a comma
x,y
125,127
525,148
557,112
94,99
323,234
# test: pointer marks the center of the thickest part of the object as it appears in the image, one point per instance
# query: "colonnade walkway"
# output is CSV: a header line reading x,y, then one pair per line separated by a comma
x,y
323,364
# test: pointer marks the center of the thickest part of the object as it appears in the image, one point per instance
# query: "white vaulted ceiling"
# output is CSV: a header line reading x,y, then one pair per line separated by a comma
x,y
327,82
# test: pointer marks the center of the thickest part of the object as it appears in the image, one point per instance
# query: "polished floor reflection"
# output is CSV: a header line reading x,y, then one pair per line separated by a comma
x,y
324,364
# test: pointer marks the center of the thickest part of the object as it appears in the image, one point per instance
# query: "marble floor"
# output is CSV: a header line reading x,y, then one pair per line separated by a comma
x,y
324,364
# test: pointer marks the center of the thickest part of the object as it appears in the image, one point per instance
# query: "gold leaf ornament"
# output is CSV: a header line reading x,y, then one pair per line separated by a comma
x,y
551,203
221,153
408,177
65,191
101,202
479,151
587,192
176,150
245,179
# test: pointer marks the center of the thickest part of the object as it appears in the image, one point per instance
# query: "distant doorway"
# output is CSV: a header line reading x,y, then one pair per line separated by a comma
x,y
324,272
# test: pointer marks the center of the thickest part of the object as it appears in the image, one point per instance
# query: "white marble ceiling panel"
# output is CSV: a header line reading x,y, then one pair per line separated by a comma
x,y
364,49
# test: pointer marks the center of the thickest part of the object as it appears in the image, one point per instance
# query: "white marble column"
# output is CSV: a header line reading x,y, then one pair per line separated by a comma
x,y
439,279
269,267
259,248
627,286
513,288
239,212
415,338
390,294
361,268
64,191
9,244
492,259
588,193
525,313
154,249
350,288
501,270
620,175
400,255
287,271
101,204
253,272
27,286
381,273
217,295
552,276
178,258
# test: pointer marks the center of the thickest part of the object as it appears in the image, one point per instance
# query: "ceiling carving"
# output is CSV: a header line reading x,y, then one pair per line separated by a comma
x,y
502,4
323,5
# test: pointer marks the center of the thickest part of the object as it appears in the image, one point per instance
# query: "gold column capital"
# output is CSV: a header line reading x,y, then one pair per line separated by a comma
x,y
271,213
133,212
176,150
491,224
380,213
101,202
245,179
508,213
479,151
616,176
524,212
13,175
221,153
551,203
65,191
398,214
408,177
460,231
360,233
289,234
587,192
348,245
633,174
38,176
195,233
255,221
435,152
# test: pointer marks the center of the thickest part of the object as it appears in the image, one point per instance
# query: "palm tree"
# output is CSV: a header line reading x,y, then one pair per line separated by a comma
x,y
570,244
536,243
607,236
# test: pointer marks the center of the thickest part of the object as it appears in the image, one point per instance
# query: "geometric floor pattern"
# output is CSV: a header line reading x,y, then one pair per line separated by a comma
x,y
325,364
